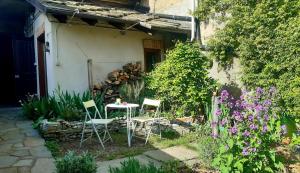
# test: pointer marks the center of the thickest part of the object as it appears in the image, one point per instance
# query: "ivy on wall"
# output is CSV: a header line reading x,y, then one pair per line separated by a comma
x,y
265,36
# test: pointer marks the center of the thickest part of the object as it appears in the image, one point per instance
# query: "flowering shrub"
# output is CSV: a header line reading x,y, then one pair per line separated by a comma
x,y
249,128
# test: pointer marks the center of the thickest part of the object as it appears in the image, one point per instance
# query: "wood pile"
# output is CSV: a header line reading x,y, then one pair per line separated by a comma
x,y
130,72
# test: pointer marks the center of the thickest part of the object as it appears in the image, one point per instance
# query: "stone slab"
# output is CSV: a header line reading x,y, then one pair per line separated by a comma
x,y
27,162
20,153
44,165
173,153
24,170
40,151
9,170
6,161
33,141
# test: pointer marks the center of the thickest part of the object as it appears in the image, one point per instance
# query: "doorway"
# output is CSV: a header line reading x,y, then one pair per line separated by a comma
x,y
152,58
17,70
42,65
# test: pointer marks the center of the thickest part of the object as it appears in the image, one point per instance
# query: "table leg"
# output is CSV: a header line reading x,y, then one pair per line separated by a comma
x,y
128,127
105,112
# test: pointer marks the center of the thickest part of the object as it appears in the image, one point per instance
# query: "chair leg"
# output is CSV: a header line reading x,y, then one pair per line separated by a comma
x,y
108,133
82,135
148,135
98,137
133,129
159,127
91,137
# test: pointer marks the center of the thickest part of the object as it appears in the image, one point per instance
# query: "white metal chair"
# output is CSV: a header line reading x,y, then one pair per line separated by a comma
x,y
94,122
144,118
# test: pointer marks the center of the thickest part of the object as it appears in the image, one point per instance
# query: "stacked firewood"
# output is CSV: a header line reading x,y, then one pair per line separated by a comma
x,y
130,72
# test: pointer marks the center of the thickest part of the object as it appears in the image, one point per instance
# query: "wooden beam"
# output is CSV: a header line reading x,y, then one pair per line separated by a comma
x,y
143,29
118,25
61,18
91,22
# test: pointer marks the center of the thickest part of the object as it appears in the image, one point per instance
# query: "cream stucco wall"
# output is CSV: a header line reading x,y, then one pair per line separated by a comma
x,y
71,45
172,7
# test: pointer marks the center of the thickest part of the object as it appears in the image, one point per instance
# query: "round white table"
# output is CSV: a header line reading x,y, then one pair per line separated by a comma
x,y
128,107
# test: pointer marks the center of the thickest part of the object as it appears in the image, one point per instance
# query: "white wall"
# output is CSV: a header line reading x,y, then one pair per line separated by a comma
x,y
73,44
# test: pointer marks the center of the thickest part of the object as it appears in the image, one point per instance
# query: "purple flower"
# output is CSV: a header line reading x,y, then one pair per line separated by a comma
x,y
259,91
218,112
283,129
237,116
246,133
233,130
213,123
245,151
250,117
267,102
214,135
237,103
253,149
230,104
265,128
259,108
266,117
223,122
253,126
224,96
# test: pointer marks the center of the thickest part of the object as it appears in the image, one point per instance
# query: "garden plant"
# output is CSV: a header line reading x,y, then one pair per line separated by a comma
x,y
182,81
249,129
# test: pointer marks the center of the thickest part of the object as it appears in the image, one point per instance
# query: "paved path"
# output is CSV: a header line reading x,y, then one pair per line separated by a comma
x,y
157,157
22,149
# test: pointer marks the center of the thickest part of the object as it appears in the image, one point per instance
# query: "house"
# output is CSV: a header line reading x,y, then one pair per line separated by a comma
x,y
46,43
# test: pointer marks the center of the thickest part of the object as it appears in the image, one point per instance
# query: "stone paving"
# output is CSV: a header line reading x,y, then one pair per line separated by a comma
x,y
157,157
22,149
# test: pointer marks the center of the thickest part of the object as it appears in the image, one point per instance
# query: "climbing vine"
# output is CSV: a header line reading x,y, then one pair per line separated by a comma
x,y
265,36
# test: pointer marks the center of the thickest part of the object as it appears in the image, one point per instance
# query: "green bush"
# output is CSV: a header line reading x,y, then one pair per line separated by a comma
x,y
207,149
265,36
61,104
72,163
133,166
182,81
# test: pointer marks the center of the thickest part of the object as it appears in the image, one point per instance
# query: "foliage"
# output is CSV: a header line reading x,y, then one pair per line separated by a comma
x,y
72,163
61,104
265,36
34,107
181,81
207,149
131,92
248,127
207,146
53,147
133,166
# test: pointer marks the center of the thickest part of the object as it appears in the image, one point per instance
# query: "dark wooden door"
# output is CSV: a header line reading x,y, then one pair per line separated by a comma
x,y
24,67
7,92
152,58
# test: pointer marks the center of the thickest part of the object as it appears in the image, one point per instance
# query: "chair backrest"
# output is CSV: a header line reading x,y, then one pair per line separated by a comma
x,y
150,102
91,104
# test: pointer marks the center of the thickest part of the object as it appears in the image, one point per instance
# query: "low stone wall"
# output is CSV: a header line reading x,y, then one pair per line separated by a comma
x,y
64,130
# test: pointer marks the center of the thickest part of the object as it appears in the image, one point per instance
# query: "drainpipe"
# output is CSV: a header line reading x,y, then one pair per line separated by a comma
x,y
193,22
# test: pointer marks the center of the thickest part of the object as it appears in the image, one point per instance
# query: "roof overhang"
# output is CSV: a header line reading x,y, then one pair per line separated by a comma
x,y
161,22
